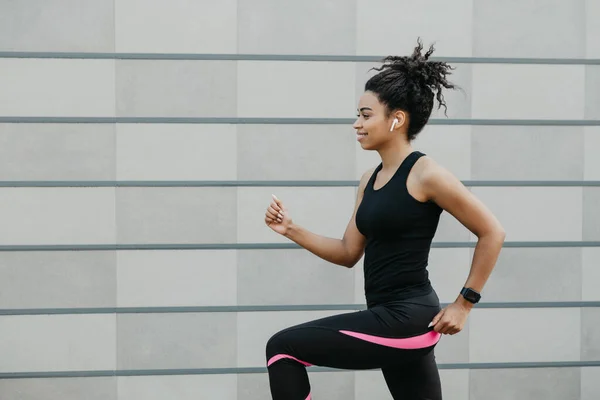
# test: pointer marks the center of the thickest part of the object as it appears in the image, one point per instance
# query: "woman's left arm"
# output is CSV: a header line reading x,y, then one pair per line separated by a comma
x,y
443,188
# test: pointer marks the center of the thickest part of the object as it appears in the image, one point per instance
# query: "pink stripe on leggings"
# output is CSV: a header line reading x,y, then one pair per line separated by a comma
x,y
281,356
416,342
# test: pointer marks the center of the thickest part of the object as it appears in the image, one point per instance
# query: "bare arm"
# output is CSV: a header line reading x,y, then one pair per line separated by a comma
x,y
450,194
346,251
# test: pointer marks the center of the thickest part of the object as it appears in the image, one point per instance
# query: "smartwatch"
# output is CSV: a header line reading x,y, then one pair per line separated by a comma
x,y
470,295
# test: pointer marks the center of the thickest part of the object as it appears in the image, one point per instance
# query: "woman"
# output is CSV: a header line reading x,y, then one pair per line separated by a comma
x,y
394,221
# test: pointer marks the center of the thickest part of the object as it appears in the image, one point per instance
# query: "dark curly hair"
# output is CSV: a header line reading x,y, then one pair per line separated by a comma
x,y
409,83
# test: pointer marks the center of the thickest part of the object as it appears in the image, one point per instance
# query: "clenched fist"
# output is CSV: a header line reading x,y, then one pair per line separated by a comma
x,y
277,217
450,320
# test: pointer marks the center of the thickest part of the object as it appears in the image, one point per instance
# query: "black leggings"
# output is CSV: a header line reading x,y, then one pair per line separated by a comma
x,y
394,338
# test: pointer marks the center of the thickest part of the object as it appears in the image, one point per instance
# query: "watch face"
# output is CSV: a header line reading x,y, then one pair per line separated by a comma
x,y
471,295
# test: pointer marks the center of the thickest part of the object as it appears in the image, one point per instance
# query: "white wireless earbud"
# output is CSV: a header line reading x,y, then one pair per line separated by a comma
x,y
394,124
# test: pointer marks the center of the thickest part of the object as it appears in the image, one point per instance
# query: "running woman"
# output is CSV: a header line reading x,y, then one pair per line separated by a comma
x,y
395,218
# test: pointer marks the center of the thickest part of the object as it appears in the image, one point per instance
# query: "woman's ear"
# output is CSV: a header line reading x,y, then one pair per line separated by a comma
x,y
399,120
401,117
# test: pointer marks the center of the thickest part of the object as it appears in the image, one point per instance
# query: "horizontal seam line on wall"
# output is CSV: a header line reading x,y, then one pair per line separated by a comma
x,y
272,308
288,57
264,246
276,183
260,370
287,121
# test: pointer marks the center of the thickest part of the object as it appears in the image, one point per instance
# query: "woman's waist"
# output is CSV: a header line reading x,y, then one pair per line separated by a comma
x,y
423,294
419,306
397,252
394,271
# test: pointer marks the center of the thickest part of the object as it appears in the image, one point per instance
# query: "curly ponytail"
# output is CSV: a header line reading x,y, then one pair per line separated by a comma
x,y
411,84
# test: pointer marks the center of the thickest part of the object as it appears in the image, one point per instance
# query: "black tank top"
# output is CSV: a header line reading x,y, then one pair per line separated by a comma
x,y
399,230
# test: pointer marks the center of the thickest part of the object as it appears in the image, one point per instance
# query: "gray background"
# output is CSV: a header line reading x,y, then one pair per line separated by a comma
x,y
60,337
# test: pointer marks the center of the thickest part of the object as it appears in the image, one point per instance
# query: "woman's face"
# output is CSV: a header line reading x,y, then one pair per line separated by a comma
x,y
372,125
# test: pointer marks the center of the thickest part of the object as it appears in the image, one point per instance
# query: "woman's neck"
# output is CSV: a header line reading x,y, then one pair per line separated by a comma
x,y
393,154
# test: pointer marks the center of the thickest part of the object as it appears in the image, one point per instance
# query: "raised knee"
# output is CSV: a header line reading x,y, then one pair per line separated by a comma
x,y
275,345
279,347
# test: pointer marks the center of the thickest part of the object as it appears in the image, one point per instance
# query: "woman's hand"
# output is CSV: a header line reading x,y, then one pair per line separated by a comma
x,y
277,217
451,319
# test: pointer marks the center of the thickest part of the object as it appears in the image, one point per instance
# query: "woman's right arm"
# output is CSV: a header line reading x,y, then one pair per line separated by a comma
x,y
346,251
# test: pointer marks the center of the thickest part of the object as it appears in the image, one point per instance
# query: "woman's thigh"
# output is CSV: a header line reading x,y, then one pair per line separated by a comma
x,y
366,339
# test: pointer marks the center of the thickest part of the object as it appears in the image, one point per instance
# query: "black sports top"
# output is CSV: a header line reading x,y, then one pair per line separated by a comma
x,y
399,230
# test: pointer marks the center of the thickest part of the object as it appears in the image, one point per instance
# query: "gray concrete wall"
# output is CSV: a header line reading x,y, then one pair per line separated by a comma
x,y
59,332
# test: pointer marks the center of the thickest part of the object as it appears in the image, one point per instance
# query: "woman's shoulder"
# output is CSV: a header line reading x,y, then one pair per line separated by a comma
x,y
366,176
434,177
427,168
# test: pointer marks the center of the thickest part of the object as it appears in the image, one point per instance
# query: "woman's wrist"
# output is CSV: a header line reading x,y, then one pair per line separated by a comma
x,y
291,231
464,303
